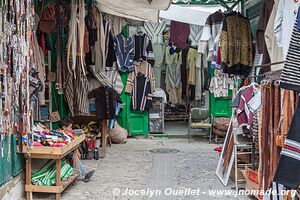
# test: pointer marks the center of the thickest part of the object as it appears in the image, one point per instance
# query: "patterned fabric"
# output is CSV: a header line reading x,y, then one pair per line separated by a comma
x,y
144,68
195,35
154,31
124,52
47,175
210,31
289,163
236,39
290,76
115,79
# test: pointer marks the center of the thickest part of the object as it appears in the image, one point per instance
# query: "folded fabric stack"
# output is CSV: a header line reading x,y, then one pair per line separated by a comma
x,y
42,136
220,126
47,175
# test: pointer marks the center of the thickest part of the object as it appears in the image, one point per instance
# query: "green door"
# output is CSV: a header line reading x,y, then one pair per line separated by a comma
x,y
136,123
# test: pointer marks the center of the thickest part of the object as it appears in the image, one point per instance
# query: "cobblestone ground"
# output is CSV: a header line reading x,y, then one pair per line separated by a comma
x,y
132,166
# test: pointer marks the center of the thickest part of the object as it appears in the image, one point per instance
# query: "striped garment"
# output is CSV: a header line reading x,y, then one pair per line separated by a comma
x,y
195,35
124,52
47,175
141,99
154,31
114,79
144,68
143,49
288,169
290,76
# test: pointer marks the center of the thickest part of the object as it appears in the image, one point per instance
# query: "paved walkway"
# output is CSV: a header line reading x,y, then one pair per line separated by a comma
x,y
131,167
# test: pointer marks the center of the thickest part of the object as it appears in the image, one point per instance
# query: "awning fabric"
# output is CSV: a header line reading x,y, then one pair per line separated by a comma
x,y
189,14
145,10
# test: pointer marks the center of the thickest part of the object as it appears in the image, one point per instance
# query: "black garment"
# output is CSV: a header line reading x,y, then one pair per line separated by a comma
x,y
106,100
143,49
141,94
288,170
184,75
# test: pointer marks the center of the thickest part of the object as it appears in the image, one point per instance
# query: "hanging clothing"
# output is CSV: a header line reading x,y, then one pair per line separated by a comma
x,y
285,16
81,88
191,64
179,34
106,100
250,101
124,52
139,86
201,65
290,76
114,79
195,35
236,44
184,72
260,33
210,31
219,84
159,55
116,23
144,68
173,76
154,31
275,52
288,169
143,50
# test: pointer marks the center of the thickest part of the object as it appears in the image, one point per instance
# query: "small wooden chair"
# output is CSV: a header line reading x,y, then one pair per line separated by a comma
x,y
198,120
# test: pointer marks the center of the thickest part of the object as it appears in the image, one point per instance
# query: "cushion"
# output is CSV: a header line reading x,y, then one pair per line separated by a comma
x,y
221,123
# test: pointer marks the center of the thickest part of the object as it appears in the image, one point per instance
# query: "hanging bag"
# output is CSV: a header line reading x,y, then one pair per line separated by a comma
x,y
54,116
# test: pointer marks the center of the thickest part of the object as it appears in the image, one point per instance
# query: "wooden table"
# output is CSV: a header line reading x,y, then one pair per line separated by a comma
x,y
56,153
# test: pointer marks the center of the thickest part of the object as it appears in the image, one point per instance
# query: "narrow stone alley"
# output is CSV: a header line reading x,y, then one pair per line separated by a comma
x,y
133,167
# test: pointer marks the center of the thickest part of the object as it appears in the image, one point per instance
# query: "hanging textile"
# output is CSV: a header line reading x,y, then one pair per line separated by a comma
x,y
201,66
144,68
106,99
290,76
173,76
260,33
39,60
289,163
210,31
143,50
285,16
179,34
141,92
191,65
159,55
236,44
124,52
116,23
136,10
275,52
154,31
195,34
114,79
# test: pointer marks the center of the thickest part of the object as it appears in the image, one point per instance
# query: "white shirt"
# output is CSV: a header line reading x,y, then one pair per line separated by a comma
x,y
284,23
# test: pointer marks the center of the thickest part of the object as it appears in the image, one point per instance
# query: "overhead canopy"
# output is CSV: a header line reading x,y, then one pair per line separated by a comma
x,y
189,14
145,10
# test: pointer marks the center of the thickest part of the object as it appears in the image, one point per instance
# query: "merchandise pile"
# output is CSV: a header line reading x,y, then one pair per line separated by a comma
x,y
42,136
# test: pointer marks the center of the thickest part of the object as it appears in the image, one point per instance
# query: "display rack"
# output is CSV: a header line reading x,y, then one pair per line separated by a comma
x,y
156,116
57,154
